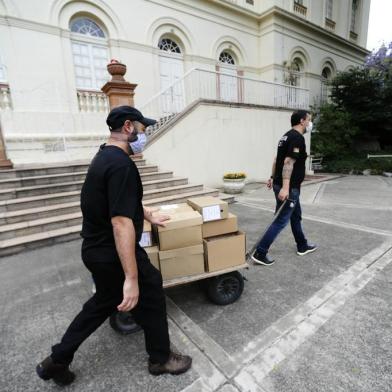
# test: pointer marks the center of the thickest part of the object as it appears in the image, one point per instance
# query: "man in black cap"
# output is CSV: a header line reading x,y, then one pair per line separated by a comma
x,y
113,215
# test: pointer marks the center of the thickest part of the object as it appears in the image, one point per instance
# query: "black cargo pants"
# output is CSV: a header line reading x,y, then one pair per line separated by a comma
x,y
150,312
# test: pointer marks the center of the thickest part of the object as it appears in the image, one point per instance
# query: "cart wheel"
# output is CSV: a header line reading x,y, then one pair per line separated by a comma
x,y
225,289
122,322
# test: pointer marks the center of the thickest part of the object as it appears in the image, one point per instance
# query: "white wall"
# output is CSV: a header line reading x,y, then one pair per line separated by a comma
x,y
35,47
214,139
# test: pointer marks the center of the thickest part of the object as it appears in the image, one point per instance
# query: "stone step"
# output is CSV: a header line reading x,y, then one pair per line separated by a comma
x,y
36,225
16,193
180,198
33,241
13,183
45,238
72,196
64,167
10,217
27,228
165,183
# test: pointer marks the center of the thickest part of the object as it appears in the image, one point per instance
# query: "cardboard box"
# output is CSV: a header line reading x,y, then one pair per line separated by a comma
x,y
182,230
182,262
153,255
210,208
224,251
174,208
147,238
219,227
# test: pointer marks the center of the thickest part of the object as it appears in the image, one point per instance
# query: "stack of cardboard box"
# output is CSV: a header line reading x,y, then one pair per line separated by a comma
x,y
200,236
224,245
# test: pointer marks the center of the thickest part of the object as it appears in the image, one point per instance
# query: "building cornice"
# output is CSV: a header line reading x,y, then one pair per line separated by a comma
x,y
310,26
13,21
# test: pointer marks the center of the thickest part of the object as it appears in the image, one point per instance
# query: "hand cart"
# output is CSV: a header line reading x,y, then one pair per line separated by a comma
x,y
223,287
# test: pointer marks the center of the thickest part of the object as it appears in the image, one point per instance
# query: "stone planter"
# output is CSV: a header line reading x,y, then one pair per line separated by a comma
x,y
233,185
117,70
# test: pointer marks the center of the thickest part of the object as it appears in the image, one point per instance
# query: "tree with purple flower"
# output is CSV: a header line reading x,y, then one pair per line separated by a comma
x,y
359,114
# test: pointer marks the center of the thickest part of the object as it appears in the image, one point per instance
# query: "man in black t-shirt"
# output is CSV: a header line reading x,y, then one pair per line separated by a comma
x,y
125,280
288,172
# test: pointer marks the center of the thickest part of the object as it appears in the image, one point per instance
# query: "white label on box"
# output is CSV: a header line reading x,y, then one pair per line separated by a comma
x,y
169,207
146,239
211,213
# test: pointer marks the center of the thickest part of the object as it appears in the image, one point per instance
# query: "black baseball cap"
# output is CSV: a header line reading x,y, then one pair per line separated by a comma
x,y
118,115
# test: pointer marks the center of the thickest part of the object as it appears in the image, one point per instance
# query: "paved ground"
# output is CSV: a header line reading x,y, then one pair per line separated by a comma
x,y
318,323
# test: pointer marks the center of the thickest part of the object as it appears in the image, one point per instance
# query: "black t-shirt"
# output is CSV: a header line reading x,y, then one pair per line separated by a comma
x,y
112,188
291,144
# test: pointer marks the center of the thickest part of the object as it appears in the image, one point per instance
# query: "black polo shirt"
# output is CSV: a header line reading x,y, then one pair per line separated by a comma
x,y
291,144
112,188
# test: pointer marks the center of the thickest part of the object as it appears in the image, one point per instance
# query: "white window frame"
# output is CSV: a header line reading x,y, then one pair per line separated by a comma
x,y
329,9
96,82
354,16
91,43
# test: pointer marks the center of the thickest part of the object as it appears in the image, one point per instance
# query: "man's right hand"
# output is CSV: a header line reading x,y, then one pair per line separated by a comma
x,y
269,183
283,194
131,295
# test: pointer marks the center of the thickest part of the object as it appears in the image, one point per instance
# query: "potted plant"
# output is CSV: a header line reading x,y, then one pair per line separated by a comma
x,y
234,182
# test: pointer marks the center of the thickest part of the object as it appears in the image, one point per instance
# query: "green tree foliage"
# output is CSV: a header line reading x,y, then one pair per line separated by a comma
x,y
335,132
360,108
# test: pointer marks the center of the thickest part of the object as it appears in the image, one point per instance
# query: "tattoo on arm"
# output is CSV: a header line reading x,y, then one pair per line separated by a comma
x,y
273,168
287,168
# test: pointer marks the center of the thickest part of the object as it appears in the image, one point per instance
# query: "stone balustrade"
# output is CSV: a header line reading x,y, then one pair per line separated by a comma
x,y
92,101
5,97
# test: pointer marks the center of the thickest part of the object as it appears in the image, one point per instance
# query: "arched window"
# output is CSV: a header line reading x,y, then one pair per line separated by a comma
x,y
168,45
326,76
326,73
293,77
86,26
297,65
90,56
226,58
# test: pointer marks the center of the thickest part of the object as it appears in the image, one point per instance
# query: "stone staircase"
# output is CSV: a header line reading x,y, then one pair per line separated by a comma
x,y
39,205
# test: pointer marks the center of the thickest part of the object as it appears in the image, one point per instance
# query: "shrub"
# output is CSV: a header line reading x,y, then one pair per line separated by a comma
x,y
234,176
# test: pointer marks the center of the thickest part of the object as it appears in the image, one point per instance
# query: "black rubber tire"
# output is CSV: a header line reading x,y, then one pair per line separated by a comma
x,y
123,323
225,289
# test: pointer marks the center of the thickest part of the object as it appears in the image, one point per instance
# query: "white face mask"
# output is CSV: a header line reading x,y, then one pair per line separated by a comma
x,y
309,127
138,145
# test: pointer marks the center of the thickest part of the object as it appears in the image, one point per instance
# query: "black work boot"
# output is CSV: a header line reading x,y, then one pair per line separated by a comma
x,y
176,364
60,373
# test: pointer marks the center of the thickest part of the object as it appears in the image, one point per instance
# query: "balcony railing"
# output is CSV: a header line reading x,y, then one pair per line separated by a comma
x,y
199,84
330,24
5,97
300,9
92,101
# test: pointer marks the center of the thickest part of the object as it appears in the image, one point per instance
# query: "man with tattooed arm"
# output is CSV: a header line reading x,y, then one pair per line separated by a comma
x,y
288,172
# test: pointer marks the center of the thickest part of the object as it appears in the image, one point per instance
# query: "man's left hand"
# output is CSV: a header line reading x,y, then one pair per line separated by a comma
x,y
159,220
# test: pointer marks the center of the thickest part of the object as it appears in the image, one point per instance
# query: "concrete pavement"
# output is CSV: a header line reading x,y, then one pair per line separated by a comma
x,y
316,323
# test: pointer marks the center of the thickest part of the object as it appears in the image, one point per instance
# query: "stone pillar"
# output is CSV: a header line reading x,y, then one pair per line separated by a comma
x,y
119,91
4,162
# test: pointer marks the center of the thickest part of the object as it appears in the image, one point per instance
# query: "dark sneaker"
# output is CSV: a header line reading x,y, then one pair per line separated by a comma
x,y
60,374
307,249
176,364
260,258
